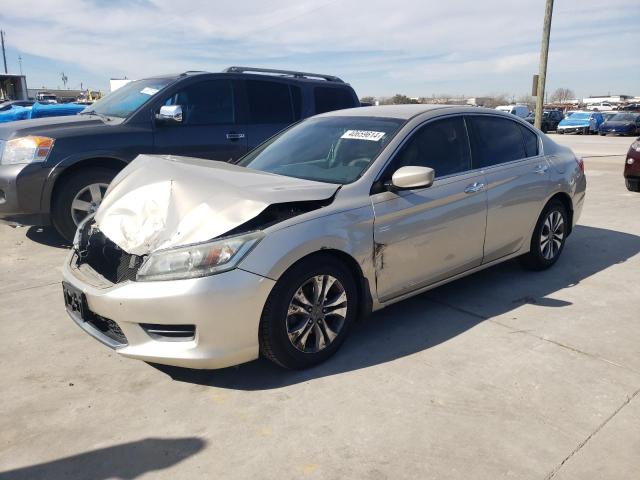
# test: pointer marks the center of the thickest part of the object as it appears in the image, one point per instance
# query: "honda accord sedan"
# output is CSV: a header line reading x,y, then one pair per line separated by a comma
x,y
203,264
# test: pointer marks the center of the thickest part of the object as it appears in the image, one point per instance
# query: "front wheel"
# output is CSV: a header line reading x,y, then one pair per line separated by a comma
x,y
548,239
633,185
78,196
308,313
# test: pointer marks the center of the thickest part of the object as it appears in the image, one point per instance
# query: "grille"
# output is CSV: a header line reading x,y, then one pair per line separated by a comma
x,y
106,258
108,327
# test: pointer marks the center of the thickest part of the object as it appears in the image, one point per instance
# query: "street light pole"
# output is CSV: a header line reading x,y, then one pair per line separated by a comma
x,y
544,54
4,55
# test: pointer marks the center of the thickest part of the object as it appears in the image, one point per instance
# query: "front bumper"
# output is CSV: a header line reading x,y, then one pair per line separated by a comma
x,y
20,194
224,308
579,129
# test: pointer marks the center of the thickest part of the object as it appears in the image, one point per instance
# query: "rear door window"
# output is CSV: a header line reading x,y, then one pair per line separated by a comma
x,y
206,103
441,145
332,98
269,102
495,140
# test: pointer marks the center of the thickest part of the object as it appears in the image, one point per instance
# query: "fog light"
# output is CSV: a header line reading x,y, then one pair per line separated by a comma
x,y
630,161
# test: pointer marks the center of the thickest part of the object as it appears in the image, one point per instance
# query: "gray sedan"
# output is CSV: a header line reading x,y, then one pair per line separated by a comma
x,y
205,264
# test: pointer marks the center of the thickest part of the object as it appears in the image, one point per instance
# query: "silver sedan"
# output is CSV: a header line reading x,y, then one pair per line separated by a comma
x,y
206,264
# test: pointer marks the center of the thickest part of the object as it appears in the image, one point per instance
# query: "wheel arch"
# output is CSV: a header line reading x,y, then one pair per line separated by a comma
x,y
568,204
365,303
62,172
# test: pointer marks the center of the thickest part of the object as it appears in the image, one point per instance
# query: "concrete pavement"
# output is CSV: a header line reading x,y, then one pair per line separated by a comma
x,y
504,374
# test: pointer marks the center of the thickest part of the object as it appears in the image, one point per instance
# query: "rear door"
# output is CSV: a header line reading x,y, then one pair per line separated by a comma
x,y
270,106
426,235
517,178
211,126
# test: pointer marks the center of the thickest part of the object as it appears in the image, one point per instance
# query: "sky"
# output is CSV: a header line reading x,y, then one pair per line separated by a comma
x,y
413,47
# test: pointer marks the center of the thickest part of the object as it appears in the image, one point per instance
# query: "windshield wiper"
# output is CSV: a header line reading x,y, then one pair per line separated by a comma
x,y
93,112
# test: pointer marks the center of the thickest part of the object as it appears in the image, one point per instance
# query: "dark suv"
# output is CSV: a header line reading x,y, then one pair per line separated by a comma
x,y
56,170
550,119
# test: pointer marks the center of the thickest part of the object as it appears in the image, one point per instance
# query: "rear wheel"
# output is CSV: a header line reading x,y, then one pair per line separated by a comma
x,y
78,196
548,239
308,313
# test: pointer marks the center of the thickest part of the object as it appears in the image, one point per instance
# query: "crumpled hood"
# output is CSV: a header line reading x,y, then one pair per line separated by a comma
x,y
161,202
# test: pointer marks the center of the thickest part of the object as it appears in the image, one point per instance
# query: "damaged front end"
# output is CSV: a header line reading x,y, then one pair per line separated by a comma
x,y
95,250
185,220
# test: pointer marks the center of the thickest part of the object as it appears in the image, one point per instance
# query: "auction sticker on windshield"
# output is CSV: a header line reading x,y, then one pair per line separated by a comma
x,y
363,135
149,91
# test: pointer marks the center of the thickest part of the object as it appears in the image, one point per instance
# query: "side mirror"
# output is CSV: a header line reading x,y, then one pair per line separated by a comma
x,y
170,114
406,178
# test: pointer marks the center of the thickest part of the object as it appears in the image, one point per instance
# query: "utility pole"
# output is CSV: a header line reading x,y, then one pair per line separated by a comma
x,y
4,54
20,63
544,54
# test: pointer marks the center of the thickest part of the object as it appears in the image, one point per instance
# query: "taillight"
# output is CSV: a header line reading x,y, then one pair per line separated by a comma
x,y
580,163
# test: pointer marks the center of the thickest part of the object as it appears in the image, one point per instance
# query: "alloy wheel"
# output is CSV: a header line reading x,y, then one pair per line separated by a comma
x,y
552,235
316,313
87,201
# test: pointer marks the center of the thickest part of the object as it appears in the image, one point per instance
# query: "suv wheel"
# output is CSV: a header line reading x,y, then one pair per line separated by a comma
x,y
308,313
633,184
548,239
78,196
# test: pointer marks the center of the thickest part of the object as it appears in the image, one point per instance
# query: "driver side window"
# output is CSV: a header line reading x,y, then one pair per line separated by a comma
x,y
206,103
441,145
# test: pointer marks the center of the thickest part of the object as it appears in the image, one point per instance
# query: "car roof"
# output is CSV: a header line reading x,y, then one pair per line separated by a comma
x,y
406,112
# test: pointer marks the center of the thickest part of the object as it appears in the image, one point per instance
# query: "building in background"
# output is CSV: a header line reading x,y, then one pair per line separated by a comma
x,y
116,83
607,99
13,87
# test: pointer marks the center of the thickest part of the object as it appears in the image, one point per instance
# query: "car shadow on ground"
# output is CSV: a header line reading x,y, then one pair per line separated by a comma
x,y
47,236
438,315
127,460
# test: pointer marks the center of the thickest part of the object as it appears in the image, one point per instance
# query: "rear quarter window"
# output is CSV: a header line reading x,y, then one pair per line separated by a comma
x,y
328,99
530,141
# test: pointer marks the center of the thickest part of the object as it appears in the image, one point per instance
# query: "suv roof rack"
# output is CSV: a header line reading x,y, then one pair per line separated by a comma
x,y
291,73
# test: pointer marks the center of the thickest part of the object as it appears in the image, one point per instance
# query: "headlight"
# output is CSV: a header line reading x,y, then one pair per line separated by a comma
x,y
198,260
636,145
26,150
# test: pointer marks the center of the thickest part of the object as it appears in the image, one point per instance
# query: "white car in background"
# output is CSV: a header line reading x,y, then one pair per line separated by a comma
x,y
521,111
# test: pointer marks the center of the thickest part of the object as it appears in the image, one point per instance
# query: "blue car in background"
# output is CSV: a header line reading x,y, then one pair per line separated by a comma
x,y
622,124
581,122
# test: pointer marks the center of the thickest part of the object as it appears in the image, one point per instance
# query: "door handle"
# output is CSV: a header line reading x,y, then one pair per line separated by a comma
x,y
474,187
541,169
234,136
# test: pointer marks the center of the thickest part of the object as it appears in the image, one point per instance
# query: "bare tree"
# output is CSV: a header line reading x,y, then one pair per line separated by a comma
x,y
527,100
562,95
64,78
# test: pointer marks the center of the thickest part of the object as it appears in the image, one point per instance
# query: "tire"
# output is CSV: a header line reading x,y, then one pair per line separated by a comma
x,y
543,255
76,184
560,132
281,332
602,134
633,185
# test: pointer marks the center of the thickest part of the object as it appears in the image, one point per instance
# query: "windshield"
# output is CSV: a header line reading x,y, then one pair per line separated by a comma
x,y
580,116
326,149
623,117
128,98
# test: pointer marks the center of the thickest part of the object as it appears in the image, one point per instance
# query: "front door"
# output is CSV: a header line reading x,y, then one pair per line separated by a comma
x,y
210,127
426,235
